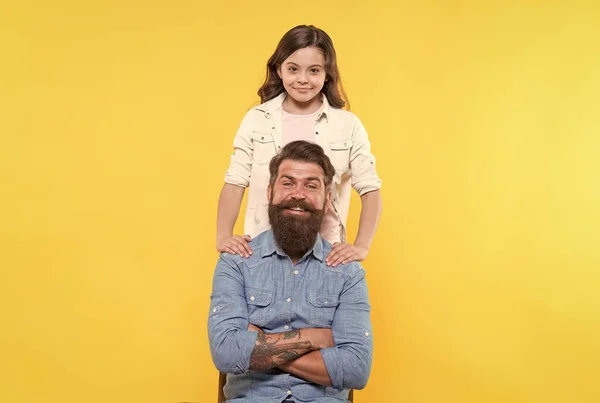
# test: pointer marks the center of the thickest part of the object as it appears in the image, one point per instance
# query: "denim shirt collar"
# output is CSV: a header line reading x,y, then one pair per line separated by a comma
x,y
269,246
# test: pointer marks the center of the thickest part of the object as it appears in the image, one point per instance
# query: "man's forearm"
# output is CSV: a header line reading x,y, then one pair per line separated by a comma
x,y
274,349
309,367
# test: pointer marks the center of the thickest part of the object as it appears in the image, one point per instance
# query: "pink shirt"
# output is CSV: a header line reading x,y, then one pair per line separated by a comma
x,y
302,127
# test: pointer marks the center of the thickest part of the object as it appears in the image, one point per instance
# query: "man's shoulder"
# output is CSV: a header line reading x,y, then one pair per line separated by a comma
x,y
347,270
259,244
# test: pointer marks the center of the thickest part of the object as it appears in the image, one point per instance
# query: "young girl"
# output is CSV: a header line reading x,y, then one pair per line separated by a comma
x,y
302,98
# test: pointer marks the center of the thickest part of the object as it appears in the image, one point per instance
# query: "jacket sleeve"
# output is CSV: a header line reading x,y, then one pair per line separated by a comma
x,y
231,343
349,361
362,162
240,165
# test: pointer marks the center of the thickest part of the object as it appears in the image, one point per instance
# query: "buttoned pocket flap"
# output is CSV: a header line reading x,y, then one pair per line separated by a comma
x,y
262,137
341,145
258,297
324,301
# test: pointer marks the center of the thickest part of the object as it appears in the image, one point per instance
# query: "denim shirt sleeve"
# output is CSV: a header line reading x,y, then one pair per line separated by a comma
x,y
349,361
230,341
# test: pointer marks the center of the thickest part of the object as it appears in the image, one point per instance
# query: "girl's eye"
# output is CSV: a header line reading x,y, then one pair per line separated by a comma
x,y
315,71
292,69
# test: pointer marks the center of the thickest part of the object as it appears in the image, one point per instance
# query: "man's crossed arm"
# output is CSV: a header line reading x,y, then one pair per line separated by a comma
x,y
295,352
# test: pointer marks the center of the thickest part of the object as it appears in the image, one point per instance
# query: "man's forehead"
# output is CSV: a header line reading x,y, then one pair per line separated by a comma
x,y
300,169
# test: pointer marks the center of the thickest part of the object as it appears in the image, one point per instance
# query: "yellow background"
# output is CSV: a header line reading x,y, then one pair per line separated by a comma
x,y
116,123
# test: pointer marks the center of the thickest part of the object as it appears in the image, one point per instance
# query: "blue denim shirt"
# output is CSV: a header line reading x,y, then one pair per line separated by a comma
x,y
268,291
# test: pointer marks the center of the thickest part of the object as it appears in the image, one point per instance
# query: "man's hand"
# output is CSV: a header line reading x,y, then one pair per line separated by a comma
x,y
235,244
342,253
322,338
253,328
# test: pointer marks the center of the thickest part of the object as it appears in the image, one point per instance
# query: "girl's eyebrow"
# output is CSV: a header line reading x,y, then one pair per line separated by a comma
x,y
313,65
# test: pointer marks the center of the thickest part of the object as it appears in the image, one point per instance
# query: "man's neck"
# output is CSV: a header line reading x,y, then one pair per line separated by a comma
x,y
295,255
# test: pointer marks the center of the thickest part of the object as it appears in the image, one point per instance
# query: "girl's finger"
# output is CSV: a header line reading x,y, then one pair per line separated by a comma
x,y
247,247
240,250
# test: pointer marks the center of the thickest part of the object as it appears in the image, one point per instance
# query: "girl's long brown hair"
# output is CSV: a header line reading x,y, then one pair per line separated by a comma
x,y
300,37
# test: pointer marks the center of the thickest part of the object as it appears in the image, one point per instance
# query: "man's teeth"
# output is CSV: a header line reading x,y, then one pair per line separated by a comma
x,y
297,209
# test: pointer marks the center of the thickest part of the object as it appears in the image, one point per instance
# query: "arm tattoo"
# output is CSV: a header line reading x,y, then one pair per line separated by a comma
x,y
273,350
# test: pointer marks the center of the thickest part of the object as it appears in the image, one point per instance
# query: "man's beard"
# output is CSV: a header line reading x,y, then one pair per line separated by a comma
x,y
295,234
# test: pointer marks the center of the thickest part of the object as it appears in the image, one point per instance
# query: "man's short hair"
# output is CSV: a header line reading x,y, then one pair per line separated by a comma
x,y
302,151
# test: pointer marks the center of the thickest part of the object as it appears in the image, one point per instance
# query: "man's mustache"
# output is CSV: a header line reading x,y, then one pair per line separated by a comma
x,y
293,203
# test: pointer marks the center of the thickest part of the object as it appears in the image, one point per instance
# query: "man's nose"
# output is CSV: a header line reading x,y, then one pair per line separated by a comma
x,y
298,194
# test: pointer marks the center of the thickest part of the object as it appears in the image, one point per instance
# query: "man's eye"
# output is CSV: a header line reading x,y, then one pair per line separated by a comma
x,y
311,187
287,184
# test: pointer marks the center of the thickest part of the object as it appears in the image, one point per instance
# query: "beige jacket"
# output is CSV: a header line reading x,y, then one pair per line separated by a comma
x,y
339,132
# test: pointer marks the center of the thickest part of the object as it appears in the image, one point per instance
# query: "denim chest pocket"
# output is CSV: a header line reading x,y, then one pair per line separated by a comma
x,y
322,309
340,155
258,301
263,146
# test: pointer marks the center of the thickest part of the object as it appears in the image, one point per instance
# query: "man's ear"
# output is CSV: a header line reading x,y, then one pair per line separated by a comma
x,y
269,193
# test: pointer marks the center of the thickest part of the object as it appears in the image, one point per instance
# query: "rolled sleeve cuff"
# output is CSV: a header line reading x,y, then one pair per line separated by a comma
x,y
367,185
332,359
236,179
234,357
246,344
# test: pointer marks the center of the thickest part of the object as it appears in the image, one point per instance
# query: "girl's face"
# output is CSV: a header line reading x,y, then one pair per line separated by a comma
x,y
303,76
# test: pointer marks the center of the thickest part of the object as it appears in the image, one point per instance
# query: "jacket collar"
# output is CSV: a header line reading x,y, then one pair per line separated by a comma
x,y
274,105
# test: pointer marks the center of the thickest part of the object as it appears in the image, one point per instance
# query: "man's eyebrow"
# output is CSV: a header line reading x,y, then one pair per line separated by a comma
x,y
293,179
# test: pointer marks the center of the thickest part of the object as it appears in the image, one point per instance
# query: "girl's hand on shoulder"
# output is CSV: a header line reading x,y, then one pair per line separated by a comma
x,y
342,253
235,244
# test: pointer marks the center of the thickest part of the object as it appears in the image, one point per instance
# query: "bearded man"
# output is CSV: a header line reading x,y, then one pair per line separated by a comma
x,y
284,325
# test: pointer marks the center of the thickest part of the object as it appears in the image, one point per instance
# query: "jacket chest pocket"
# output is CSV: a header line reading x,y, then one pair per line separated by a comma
x,y
258,302
263,147
322,309
340,155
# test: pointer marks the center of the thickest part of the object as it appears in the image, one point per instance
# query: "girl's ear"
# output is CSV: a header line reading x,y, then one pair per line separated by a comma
x,y
279,71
